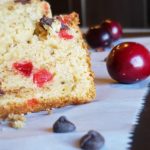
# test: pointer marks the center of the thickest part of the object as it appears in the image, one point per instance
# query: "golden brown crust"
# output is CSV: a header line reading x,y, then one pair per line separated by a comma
x,y
75,18
88,59
23,108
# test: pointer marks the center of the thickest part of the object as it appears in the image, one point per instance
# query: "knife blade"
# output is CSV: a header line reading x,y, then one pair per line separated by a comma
x,y
140,137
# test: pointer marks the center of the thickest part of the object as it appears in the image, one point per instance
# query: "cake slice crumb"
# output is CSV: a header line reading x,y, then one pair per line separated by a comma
x,y
49,111
15,117
17,124
16,120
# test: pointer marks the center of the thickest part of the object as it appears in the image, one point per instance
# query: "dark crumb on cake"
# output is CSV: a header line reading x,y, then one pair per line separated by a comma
x,y
62,82
1,92
22,1
46,21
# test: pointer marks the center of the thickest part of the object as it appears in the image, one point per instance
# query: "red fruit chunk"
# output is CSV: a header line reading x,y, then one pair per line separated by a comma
x,y
32,102
41,77
65,19
129,62
64,34
24,67
113,27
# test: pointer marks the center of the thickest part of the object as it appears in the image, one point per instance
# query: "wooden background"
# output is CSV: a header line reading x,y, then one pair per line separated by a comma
x,y
130,13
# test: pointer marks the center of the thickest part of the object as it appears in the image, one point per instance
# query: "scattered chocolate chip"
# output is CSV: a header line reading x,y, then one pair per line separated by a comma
x,y
46,21
22,1
92,141
62,125
1,92
63,26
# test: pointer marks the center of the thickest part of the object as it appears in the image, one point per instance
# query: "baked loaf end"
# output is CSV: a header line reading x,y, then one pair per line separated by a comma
x,y
44,61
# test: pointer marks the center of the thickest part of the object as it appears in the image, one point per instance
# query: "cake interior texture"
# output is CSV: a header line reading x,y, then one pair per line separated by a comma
x,y
44,61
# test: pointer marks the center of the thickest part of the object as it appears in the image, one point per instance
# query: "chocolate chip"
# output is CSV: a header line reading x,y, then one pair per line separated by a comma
x,y
1,92
63,26
92,141
62,125
22,1
46,21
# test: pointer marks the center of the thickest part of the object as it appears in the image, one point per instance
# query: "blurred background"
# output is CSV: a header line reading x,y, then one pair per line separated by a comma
x,y
130,13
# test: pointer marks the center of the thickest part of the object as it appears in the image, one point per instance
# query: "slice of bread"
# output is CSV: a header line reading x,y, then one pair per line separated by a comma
x,y
44,61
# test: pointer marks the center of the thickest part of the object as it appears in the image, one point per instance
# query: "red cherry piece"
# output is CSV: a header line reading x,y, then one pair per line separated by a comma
x,y
25,67
129,62
65,19
113,27
41,77
98,37
64,34
32,102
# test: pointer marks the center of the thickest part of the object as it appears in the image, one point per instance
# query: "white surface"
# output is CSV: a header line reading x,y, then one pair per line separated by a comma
x,y
113,114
